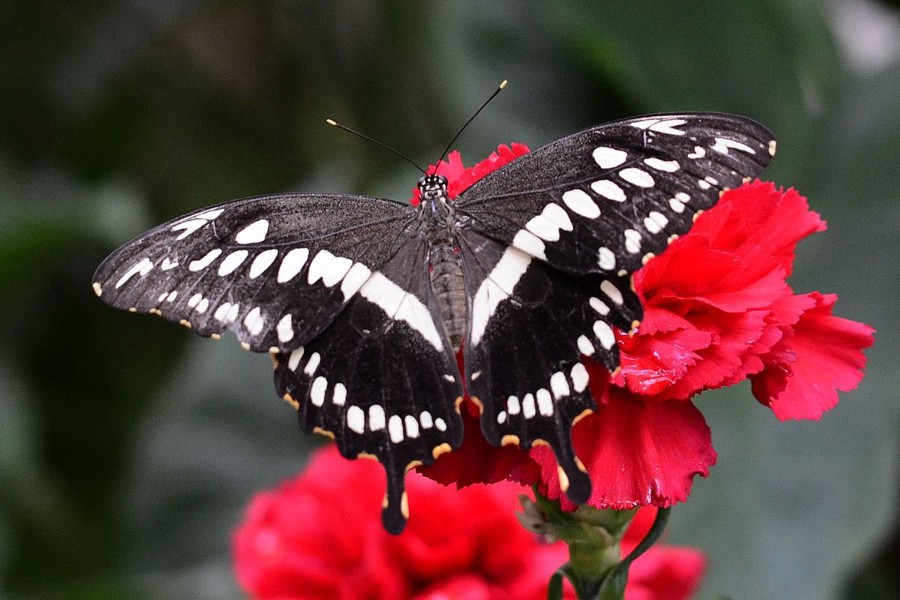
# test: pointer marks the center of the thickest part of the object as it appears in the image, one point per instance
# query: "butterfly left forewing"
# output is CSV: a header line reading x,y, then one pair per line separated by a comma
x,y
275,270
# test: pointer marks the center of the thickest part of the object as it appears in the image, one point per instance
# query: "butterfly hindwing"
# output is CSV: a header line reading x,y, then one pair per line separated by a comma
x,y
382,379
529,326
605,199
275,270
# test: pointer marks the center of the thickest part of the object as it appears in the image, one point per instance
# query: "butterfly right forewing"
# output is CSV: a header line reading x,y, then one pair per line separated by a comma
x,y
606,199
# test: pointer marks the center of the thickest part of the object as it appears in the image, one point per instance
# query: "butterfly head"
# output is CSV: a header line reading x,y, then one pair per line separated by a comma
x,y
432,187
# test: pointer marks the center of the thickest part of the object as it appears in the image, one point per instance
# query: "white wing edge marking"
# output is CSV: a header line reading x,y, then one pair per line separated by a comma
x,y
143,267
401,305
496,288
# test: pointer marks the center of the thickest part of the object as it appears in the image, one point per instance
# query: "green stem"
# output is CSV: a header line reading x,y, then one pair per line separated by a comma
x,y
595,568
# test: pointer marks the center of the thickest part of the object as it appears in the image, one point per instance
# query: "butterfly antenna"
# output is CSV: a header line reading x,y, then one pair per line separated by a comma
x,y
472,118
334,123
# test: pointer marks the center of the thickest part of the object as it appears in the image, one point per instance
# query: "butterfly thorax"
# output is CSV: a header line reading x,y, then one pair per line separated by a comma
x,y
445,267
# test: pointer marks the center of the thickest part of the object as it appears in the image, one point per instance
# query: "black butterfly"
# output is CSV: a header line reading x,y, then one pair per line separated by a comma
x,y
364,302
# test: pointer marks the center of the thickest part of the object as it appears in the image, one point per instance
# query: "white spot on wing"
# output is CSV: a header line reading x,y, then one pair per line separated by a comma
x,y
609,158
312,364
339,395
354,279
168,264
262,262
426,420
530,243
723,144
580,203
555,213
585,346
699,152
610,289
560,385
395,428
440,424
317,391
291,264
544,402
328,267
377,419
579,377
605,334
669,166
645,123
513,406
188,227
496,288
411,425
294,358
632,241
202,263
254,321
676,205
599,305
231,262
356,419
638,177
607,260
609,190
194,300
528,407
285,329
655,222
668,126
143,267
253,233
543,228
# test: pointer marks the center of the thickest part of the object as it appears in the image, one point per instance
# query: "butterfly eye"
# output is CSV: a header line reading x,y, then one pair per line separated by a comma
x,y
431,185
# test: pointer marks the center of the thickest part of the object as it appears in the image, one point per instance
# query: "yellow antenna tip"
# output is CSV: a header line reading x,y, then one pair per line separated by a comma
x,y
503,84
331,122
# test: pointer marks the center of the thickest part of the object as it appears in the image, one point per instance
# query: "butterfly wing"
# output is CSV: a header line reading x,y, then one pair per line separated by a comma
x,y
606,199
275,270
382,379
549,243
530,324
337,288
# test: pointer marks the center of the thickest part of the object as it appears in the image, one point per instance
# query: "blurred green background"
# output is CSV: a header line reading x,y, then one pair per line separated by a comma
x,y
128,447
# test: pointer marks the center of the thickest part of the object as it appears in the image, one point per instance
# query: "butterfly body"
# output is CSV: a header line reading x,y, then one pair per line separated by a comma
x,y
364,303
437,222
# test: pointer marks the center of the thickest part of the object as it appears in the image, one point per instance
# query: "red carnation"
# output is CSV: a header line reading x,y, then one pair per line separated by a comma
x,y
717,311
320,536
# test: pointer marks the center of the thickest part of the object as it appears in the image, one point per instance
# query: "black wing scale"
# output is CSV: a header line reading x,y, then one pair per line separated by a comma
x,y
339,288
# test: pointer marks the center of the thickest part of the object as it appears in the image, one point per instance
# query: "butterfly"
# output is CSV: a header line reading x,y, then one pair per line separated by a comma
x,y
364,303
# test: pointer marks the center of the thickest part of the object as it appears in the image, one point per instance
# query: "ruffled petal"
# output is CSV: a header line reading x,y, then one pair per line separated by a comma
x,y
821,355
636,453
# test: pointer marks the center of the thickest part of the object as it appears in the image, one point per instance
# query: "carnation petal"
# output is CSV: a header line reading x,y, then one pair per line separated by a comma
x,y
636,453
821,356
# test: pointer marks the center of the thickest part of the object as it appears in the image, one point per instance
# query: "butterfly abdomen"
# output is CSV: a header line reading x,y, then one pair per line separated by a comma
x,y
444,263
